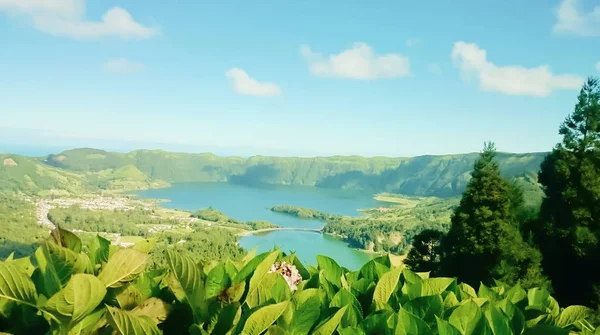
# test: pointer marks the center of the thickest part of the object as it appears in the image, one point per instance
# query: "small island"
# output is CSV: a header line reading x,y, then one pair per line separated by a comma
x,y
304,213
220,218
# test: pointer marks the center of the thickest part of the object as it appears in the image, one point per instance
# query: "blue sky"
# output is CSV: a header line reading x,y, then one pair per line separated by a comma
x,y
293,77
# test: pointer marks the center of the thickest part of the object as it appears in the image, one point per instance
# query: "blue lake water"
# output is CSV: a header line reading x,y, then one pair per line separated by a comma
x,y
251,203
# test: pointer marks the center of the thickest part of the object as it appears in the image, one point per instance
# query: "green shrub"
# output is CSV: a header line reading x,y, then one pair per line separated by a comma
x,y
109,291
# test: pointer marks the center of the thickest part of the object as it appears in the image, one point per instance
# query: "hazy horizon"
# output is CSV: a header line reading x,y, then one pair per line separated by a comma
x,y
40,149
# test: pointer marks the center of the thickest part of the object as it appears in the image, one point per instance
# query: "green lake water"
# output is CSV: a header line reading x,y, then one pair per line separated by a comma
x,y
251,203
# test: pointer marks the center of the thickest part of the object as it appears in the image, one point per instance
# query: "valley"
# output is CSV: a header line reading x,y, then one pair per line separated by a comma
x,y
260,196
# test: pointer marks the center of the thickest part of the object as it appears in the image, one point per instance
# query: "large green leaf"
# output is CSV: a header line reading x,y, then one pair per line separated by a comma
x,y
145,245
67,239
445,328
261,271
544,329
23,263
469,319
537,296
216,281
99,250
134,293
433,286
307,310
226,318
426,308
373,270
354,315
55,267
126,297
235,292
127,323
77,300
386,287
516,317
331,324
498,322
90,323
272,288
516,294
488,293
378,323
231,269
154,308
466,291
573,315
123,267
331,270
187,284
412,284
409,324
15,285
262,318
351,331
249,267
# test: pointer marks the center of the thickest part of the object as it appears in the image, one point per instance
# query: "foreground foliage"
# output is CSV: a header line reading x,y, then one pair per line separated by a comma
x,y
109,291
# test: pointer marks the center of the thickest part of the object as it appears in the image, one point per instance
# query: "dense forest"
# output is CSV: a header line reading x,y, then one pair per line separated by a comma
x,y
491,237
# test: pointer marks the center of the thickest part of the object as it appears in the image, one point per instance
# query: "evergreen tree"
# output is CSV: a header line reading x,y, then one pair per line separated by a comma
x,y
484,241
569,226
426,251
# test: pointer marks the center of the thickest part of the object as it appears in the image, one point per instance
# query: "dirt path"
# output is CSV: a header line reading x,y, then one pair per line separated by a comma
x,y
42,214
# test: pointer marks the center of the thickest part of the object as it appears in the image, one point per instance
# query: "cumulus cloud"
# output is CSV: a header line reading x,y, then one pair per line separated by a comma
x,y
572,19
67,18
244,84
123,66
512,80
358,62
434,68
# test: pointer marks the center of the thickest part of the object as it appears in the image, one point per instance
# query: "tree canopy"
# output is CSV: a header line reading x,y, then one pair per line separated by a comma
x,y
568,229
484,241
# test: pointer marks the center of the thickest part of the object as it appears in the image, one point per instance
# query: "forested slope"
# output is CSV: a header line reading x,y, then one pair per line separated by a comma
x,y
424,175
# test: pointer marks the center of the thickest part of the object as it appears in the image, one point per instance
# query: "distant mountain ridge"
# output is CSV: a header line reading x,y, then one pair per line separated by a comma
x,y
431,175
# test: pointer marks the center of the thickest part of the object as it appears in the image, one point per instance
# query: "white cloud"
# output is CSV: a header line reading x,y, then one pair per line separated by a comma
x,y
411,42
434,69
244,84
123,66
598,66
67,18
512,80
358,62
571,19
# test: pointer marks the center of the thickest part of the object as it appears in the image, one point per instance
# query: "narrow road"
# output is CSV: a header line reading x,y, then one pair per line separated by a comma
x,y
252,232
42,214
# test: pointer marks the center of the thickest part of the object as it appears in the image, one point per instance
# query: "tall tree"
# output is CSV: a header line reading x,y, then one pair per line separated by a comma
x,y
484,241
568,230
426,251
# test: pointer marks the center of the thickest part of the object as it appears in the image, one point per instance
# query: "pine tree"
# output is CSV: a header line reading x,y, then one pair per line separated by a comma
x,y
568,230
484,241
426,251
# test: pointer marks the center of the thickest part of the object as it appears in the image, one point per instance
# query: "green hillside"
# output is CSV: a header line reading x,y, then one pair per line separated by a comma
x,y
441,176
18,173
33,176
